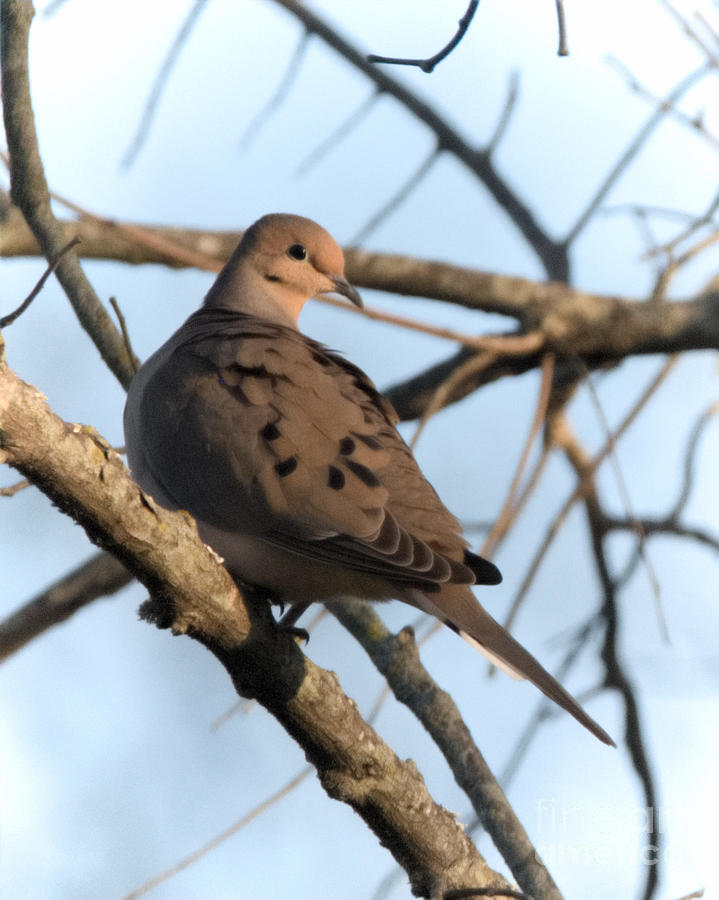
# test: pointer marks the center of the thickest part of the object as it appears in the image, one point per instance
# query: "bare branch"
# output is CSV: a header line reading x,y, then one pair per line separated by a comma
x,y
428,65
666,106
193,594
506,115
11,317
220,838
470,369
13,489
695,435
623,489
509,510
691,33
552,254
160,83
123,328
645,527
398,198
563,48
279,96
616,676
341,131
578,492
100,576
639,141
30,191
597,328
396,657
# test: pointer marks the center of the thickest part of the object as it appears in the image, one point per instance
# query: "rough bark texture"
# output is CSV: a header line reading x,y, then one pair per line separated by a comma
x,y
193,594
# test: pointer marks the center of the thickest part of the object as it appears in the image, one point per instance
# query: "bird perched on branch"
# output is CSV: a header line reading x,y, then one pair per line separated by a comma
x,y
288,457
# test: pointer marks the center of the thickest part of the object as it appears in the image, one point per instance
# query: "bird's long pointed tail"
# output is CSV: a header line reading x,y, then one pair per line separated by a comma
x,y
457,607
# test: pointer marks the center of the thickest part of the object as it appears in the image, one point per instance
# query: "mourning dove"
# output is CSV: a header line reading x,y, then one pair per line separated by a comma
x,y
288,457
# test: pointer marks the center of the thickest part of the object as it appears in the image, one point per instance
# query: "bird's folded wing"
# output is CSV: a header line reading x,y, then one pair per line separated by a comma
x,y
283,437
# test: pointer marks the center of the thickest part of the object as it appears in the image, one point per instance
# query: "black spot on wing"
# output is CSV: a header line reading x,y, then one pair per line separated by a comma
x,y
369,440
365,475
286,466
347,446
270,432
336,479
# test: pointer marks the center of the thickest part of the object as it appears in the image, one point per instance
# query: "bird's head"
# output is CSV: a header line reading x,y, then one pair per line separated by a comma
x,y
281,262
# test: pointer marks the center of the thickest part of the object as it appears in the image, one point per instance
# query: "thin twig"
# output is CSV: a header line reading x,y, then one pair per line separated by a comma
x,y
520,345
691,33
280,94
616,676
428,65
507,512
578,492
99,576
123,329
707,218
340,132
399,196
221,837
705,417
563,48
160,83
633,149
666,526
665,105
495,343
507,110
627,501
13,489
674,265
473,365
11,317
552,253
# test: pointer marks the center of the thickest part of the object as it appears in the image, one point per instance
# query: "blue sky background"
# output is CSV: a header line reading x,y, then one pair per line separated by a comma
x,y
109,769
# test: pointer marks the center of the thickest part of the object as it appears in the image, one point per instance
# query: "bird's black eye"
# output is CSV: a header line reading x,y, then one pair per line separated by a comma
x,y
297,251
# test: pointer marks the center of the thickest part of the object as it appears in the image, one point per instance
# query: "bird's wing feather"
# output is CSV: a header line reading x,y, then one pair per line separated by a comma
x,y
270,431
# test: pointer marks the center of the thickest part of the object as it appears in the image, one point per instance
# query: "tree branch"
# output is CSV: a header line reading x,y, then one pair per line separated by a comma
x,y
397,658
194,595
598,328
428,65
99,576
30,191
553,254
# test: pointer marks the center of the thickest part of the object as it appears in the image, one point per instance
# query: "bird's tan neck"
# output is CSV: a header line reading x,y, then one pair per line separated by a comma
x,y
243,289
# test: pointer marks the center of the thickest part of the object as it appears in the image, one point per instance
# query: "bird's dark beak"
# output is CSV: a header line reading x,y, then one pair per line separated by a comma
x,y
342,286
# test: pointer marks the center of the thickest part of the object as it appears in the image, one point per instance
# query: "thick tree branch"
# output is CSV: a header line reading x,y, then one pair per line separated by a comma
x,y
597,328
194,595
397,658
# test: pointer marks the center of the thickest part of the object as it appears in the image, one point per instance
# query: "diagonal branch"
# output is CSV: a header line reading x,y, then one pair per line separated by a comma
x,y
30,191
553,254
143,129
397,659
99,576
194,595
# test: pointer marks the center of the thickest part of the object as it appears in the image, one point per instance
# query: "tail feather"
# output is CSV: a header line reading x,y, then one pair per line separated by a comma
x,y
457,607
